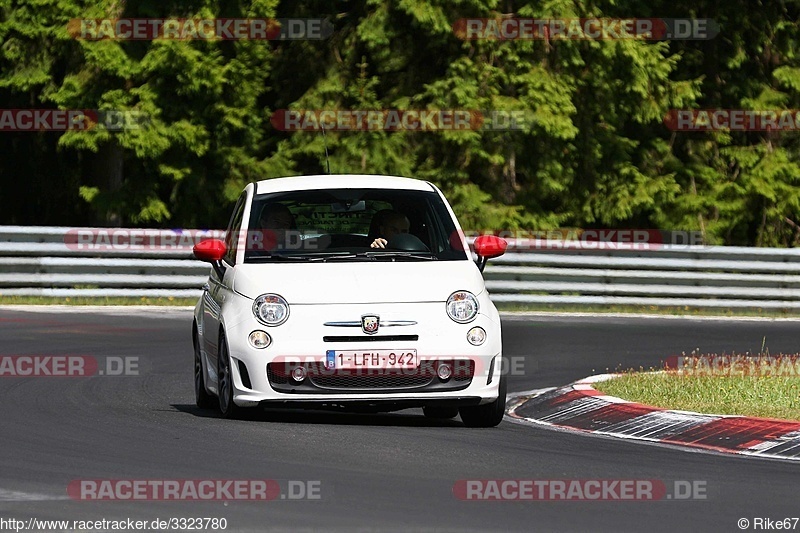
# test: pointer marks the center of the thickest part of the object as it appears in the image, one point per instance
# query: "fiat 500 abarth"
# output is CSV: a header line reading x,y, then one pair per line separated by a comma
x,y
348,292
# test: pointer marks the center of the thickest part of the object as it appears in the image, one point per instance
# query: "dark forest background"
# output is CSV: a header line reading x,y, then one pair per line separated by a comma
x,y
596,152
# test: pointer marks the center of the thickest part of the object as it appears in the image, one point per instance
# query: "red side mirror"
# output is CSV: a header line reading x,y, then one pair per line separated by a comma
x,y
210,250
489,246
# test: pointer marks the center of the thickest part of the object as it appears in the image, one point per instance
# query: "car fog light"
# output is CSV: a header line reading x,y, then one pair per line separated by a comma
x,y
299,373
259,339
444,371
476,336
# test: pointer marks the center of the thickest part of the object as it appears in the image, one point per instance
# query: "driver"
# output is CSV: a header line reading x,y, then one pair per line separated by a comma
x,y
391,224
276,220
276,216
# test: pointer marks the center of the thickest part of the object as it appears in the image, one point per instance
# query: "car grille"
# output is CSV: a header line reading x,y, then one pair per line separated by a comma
x,y
321,379
363,338
365,381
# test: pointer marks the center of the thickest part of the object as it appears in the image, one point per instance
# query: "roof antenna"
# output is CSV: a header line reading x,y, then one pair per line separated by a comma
x,y
325,141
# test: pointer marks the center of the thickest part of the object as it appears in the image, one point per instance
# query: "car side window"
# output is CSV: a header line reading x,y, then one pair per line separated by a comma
x,y
234,230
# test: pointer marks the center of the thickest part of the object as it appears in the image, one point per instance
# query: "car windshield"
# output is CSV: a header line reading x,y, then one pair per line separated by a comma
x,y
351,225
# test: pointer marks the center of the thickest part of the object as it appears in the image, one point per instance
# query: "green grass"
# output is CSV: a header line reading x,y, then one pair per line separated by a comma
x,y
769,397
46,300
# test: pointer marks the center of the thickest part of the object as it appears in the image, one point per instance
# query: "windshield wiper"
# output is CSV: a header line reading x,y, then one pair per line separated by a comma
x,y
427,256
362,256
375,256
279,257
323,257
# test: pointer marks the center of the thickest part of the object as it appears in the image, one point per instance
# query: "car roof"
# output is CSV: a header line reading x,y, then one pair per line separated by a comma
x,y
340,181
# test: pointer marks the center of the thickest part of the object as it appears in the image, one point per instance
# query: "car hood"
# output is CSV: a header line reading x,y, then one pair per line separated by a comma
x,y
359,282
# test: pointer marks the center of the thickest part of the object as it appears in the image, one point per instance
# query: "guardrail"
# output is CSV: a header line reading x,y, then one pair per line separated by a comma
x,y
45,261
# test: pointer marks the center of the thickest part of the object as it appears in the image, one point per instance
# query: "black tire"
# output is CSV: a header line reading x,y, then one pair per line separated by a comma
x,y
225,382
437,411
201,396
488,415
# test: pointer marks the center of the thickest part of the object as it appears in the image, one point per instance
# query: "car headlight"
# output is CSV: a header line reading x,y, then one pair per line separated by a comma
x,y
462,306
271,309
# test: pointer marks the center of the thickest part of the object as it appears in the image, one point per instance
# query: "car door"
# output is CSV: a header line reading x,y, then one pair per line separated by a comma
x,y
218,286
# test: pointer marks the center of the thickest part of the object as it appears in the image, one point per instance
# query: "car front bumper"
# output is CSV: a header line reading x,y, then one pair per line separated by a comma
x,y
305,339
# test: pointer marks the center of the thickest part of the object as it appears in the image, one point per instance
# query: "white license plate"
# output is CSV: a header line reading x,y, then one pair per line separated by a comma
x,y
355,359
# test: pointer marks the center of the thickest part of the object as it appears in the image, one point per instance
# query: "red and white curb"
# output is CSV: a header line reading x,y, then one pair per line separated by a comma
x,y
581,407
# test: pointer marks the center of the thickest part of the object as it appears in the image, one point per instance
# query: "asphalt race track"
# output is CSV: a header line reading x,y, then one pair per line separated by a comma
x,y
392,472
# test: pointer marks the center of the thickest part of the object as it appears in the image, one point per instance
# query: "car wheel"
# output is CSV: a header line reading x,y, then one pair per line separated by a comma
x,y
487,415
436,411
201,397
225,382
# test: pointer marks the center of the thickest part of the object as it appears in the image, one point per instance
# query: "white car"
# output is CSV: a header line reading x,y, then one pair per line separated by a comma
x,y
348,291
